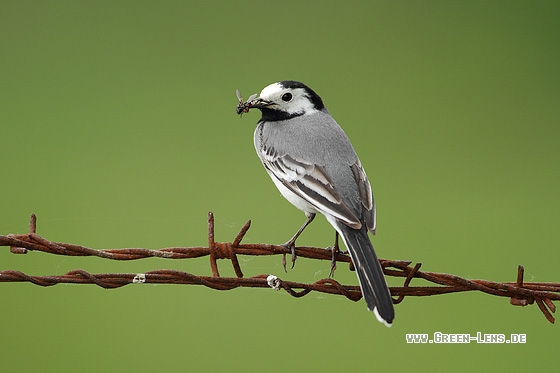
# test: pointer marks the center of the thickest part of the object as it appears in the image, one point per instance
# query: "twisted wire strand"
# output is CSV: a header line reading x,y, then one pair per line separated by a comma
x,y
520,293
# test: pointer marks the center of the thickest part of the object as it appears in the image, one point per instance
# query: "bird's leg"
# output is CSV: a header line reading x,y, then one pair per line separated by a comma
x,y
334,250
291,244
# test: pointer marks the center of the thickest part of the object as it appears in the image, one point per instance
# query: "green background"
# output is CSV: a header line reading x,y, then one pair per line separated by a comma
x,y
118,129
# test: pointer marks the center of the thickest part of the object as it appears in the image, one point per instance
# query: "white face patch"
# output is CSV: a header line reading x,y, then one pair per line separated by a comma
x,y
271,90
289,100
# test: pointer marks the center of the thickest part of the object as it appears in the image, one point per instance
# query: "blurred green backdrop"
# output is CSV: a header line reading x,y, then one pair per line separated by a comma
x,y
118,129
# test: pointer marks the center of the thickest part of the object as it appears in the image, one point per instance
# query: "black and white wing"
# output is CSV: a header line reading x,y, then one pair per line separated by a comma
x,y
310,182
366,195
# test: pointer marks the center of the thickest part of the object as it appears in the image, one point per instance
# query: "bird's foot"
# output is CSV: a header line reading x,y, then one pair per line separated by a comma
x,y
290,245
334,250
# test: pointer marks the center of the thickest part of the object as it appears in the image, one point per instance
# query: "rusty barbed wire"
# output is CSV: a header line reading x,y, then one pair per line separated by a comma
x,y
520,293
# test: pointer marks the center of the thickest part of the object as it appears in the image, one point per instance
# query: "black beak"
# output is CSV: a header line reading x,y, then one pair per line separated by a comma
x,y
258,103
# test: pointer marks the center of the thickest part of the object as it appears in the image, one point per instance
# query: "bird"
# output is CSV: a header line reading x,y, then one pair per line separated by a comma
x,y
311,161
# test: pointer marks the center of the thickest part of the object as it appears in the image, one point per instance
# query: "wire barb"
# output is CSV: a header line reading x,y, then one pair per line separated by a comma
x,y
520,293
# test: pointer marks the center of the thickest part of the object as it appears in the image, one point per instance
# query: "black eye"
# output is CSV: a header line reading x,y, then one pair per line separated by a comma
x,y
286,97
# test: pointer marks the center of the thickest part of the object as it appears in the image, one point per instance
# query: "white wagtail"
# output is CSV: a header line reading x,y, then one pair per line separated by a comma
x,y
315,167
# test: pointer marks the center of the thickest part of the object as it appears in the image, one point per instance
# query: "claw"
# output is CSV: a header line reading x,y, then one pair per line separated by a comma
x,y
292,247
294,256
291,244
334,250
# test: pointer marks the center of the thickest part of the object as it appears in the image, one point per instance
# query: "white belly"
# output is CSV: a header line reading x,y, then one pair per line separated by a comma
x,y
293,198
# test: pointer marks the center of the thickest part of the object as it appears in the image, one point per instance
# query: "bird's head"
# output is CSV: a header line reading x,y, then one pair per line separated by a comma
x,y
283,100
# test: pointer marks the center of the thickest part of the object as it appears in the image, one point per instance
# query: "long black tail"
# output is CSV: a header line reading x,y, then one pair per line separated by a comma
x,y
372,282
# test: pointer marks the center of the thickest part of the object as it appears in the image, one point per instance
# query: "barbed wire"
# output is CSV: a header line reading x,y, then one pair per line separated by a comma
x,y
520,293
